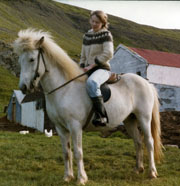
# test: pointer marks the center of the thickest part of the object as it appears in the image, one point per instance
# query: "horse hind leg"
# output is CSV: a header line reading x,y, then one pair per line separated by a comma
x,y
133,131
145,124
67,153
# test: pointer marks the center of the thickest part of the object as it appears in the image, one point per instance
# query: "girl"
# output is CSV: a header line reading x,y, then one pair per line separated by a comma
x,y
97,50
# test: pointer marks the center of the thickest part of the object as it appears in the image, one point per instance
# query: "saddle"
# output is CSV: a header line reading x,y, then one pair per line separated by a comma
x,y
106,93
105,89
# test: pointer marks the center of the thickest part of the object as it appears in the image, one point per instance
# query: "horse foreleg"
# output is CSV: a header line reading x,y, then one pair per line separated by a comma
x,y
76,132
145,123
67,153
131,127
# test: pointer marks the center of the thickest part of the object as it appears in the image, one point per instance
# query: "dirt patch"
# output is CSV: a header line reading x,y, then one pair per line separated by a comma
x,y
6,125
170,126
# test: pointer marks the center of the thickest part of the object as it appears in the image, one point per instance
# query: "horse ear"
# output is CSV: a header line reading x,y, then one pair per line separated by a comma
x,y
40,42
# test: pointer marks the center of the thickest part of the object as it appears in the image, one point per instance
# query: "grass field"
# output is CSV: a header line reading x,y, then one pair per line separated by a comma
x,y
35,160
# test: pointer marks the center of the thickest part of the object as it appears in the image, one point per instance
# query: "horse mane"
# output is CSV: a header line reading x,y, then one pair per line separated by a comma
x,y
27,40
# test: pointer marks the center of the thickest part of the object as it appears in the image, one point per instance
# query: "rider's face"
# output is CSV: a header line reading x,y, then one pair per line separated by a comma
x,y
96,24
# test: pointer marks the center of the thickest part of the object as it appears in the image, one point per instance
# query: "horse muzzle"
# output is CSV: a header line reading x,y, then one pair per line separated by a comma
x,y
25,89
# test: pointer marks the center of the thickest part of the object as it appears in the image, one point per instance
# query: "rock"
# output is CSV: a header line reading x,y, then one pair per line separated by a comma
x,y
175,146
8,59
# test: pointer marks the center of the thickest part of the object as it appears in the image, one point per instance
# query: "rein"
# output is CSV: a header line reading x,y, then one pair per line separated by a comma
x,y
67,82
40,54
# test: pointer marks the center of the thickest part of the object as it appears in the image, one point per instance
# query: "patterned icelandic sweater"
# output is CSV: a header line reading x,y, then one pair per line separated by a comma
x,y
97,48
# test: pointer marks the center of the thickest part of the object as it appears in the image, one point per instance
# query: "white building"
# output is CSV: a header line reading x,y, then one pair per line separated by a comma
x,y
160,68
25,111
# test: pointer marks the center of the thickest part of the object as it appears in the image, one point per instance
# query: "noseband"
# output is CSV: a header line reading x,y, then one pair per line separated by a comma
x,y
40,54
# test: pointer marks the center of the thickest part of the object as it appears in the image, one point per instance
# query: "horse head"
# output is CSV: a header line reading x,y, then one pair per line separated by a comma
x,y
36,50
31,62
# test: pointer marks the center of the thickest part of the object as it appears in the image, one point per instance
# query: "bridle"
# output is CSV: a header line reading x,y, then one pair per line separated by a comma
x,y
40,54
36,75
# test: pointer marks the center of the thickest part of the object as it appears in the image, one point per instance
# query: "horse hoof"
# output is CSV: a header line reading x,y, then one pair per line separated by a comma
x,y
153,175
68,178
82,181
139,170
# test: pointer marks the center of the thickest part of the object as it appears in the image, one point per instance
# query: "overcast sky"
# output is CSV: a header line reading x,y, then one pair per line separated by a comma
x,y
160,14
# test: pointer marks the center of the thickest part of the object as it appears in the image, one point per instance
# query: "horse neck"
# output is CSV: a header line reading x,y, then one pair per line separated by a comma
x,y
53,78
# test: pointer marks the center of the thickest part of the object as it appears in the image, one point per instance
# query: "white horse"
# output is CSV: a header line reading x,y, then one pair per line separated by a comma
x,y
133,101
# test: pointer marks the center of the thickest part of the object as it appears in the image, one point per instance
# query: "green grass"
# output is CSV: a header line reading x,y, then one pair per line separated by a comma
x,y
8,83
35,160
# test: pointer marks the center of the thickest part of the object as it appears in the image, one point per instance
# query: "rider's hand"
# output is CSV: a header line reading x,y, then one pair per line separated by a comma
x,y
89,67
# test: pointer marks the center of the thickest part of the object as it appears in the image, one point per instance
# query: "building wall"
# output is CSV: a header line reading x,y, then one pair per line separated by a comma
x,y
169,97
18,112
31,117
163,75
26,114
126,61
14,110
9,110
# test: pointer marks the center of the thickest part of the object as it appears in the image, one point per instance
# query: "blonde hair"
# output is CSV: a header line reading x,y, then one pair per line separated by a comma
x,y
102,17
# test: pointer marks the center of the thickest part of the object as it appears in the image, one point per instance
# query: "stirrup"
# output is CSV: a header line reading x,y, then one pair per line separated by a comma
x,y
99,121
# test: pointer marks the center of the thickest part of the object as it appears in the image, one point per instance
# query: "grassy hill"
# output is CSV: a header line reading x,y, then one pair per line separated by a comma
x,y
68,24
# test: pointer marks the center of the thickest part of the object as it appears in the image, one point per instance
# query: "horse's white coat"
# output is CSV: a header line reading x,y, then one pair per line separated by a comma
x,y
69,106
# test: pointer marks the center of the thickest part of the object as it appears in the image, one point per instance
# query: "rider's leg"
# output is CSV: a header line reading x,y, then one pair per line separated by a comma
x,y
93,88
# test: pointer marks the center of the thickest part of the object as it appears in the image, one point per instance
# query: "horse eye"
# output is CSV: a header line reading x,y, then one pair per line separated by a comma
x,y
31,60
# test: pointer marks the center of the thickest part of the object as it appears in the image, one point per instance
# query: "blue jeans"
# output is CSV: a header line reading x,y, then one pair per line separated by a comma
x,y
95,80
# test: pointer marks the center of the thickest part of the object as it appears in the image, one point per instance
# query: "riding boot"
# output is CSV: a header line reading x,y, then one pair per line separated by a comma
x,y
100,118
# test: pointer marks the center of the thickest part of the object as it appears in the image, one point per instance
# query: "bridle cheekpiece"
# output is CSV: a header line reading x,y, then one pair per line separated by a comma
x,y
40,54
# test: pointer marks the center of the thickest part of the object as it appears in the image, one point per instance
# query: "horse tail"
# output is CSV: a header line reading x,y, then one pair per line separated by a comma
x,y
156,128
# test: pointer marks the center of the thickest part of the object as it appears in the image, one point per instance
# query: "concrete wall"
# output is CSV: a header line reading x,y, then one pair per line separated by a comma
x,y
169,97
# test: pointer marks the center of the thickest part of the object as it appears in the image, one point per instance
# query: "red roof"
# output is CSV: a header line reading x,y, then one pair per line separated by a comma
x,y
159,58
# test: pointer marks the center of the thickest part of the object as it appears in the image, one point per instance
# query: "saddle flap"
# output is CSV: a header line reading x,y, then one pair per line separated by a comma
x,y
106,92
105,89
